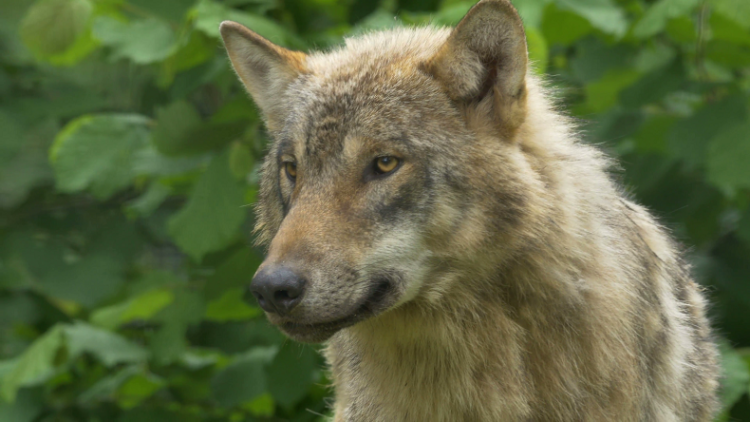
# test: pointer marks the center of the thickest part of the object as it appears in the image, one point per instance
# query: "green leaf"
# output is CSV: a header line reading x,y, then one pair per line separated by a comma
x,y
531,11
157,414
214,213
743,231
594,58
291,373
691,137
656,17
725,29
653,86
538,50
231,307
241,160
233,273
144,41
28,405
239,382
51,27
736,377
604,15
106,387
12,138
86,281
563,26
682,29
138,388
149,201
28,169
737,10
35,365
108,347
174,124
209,14
97,152
728,158
150,162
144,307
169,343
171,10
728,54
652,136
603,94
452,15
180,131
262,406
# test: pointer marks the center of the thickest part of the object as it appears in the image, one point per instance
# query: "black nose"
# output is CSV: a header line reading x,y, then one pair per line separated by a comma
x,y
277,289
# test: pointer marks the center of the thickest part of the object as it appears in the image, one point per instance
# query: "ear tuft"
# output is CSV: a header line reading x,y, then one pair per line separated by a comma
x,y
265,68
485,56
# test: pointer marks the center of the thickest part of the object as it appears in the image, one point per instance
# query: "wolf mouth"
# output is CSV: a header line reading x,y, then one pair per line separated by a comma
x,y
315,332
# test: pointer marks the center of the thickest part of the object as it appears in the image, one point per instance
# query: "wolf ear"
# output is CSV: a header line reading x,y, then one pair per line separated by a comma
x,y
485,58
265,69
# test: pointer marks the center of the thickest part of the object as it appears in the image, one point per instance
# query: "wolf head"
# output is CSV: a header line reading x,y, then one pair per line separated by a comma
x,y
395,164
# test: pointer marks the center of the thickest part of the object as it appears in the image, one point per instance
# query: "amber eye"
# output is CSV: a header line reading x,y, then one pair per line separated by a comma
x,y
385,165
291,169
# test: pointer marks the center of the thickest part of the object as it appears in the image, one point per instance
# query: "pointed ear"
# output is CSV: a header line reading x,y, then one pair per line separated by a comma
x,y
265,69
484,61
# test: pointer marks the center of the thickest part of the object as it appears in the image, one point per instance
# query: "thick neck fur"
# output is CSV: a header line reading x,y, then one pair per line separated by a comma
x,y
579,322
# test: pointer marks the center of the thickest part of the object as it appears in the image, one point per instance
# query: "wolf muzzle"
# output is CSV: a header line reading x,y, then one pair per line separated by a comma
x,y
278,289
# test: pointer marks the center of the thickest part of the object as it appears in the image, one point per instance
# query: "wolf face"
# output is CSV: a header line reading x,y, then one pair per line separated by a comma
x,y
365,182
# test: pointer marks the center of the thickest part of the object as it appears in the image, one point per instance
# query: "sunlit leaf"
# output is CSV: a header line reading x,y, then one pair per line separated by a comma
x,y
231,307
97,152
726,29
34,366
538,50
143,307
138,388
51,27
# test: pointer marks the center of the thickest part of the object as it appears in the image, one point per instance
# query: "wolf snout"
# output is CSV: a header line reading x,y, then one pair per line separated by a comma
x,y
278,289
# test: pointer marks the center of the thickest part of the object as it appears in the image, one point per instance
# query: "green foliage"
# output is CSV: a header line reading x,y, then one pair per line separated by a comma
x,y
128,169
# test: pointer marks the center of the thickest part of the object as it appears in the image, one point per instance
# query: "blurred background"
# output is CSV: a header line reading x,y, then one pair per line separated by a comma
x,y
128,170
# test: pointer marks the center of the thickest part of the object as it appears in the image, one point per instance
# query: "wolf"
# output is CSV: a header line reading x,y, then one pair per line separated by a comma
x,y
431,217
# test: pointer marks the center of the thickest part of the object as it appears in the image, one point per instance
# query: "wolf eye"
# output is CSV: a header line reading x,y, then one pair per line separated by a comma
x,y
291,170
385,165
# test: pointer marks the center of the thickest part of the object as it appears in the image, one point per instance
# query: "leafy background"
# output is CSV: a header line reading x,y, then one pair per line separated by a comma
x,y
128,164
